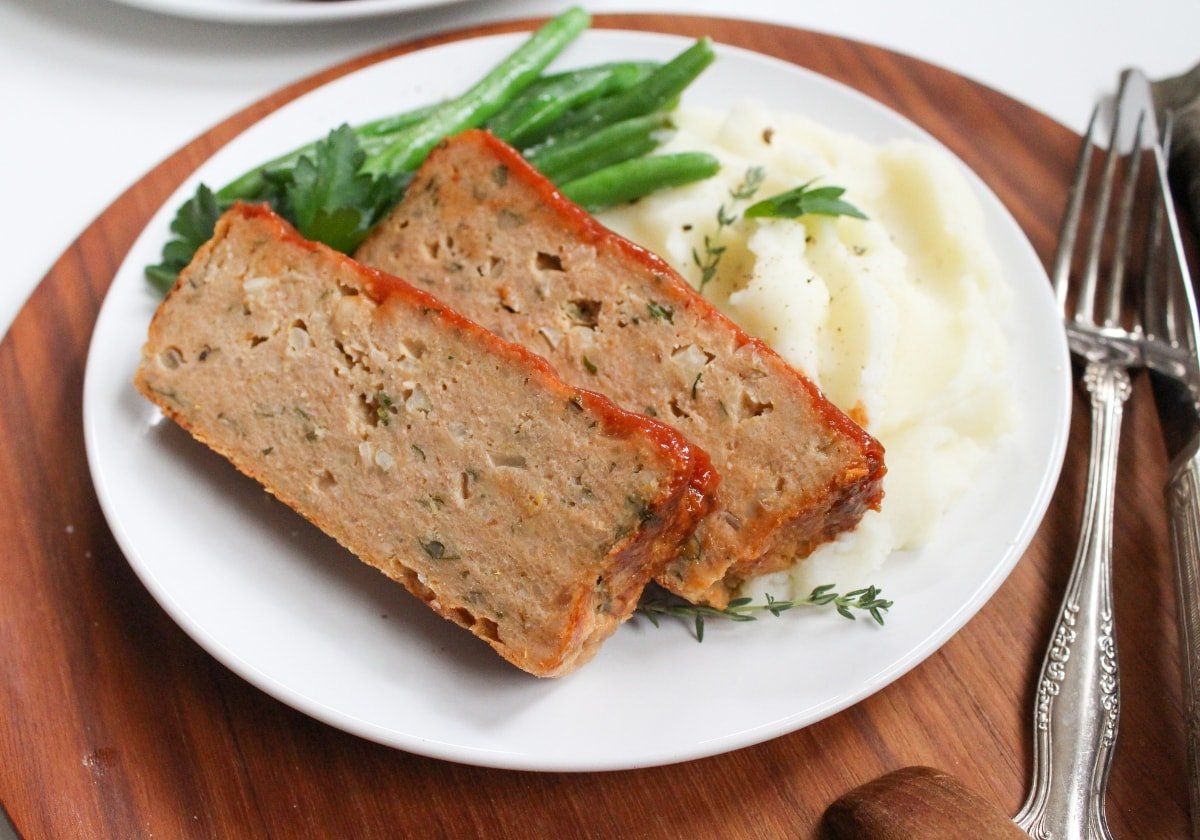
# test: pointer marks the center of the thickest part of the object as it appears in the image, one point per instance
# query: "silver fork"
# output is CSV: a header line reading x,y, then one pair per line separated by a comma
x,y
1078,694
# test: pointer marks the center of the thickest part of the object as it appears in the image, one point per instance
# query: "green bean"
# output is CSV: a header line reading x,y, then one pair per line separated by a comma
x,y
484,99
374,136
387,126
565,162
638,177
523,121
253,185
511,126
654,93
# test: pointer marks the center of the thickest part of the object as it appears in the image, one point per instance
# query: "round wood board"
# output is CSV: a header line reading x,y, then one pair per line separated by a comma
x,y
113,723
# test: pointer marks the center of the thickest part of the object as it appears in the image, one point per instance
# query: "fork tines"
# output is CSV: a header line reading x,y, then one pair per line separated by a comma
x,y
1168,310
1111,234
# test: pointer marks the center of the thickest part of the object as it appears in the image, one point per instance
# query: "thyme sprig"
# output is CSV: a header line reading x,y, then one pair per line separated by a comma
x,y
866,600
726,216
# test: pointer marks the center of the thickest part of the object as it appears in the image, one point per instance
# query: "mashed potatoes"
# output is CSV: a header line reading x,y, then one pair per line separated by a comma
x,y
896,318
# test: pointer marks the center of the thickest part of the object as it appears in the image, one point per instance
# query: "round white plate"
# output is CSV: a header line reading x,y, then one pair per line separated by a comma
x,y
287,609
282,11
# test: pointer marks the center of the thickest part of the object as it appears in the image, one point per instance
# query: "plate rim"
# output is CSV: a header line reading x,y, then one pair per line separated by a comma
x,y
227,11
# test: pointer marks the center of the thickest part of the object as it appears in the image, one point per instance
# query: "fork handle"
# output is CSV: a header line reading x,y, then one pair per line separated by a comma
x,y
1183,510
1078,696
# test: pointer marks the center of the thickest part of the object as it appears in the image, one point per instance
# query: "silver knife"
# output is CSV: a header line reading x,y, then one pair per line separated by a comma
x,y
1180,97
1172,354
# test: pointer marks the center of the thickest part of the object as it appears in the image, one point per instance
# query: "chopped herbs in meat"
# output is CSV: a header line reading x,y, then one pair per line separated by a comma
x,y
660,311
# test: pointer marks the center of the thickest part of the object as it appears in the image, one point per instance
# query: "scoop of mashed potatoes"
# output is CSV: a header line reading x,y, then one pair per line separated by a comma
x,y
896,317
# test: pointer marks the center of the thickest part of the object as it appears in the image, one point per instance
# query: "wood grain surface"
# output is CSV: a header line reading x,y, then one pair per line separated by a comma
x,y
114,724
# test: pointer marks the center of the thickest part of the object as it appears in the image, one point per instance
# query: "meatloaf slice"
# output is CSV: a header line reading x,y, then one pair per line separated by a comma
x,y
484,232
530,512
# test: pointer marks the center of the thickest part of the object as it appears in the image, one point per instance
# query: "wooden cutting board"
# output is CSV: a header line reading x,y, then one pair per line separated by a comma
x,y
113,723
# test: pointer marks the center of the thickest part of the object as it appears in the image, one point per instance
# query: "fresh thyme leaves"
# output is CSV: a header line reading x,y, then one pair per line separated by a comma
x,y
750,184
802,201
712,256
726,216
805,200
865,600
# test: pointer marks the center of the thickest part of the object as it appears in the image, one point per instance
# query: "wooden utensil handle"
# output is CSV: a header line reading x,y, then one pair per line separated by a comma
x,y
916,802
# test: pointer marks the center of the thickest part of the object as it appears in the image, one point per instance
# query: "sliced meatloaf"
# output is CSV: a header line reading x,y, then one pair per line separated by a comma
x,y
484,232
528,511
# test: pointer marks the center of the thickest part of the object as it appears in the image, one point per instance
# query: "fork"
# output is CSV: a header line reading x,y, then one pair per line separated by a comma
x,y
1078,694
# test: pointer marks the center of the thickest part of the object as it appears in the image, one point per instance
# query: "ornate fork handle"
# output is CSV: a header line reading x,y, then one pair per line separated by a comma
x,y
1078,697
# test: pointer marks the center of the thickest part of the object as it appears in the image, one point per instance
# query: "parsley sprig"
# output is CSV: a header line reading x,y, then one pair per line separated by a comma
x,y
328,196
866,600
324,194
192,226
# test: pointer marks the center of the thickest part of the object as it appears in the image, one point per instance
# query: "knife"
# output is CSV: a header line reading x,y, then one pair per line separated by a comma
x,y
1172,328
1179,96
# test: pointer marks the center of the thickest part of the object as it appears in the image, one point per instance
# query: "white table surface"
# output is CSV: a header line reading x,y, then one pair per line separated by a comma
x,y
94,93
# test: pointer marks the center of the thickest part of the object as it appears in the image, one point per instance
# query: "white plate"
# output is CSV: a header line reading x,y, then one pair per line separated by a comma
x,y
282,11
291,612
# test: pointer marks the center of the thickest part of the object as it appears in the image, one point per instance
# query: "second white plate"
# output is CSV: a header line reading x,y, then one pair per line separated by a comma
x,y
291,612
282,11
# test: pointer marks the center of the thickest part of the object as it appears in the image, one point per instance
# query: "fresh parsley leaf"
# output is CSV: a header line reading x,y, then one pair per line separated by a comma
x,y
804,200
328,200
192,226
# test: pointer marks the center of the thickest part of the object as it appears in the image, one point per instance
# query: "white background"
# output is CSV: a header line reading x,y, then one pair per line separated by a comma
x,y
93,93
